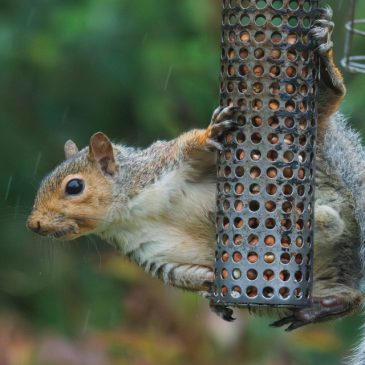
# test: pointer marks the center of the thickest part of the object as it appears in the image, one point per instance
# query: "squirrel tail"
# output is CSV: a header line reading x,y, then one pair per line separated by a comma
x,y
358,355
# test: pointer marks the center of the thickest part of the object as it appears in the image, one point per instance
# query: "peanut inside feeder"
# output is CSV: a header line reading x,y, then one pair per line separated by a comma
x,y
266,172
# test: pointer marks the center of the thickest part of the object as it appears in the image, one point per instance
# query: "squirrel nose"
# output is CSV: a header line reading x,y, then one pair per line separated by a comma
x,y
35,226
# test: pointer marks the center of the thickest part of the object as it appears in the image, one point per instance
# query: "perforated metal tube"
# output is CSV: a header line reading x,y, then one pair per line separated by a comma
x,y
266,172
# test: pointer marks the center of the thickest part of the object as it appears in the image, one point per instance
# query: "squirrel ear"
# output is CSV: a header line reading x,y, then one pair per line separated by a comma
x,y
70,149
101,151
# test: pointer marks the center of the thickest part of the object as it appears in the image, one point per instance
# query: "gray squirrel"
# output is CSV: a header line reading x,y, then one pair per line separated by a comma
x,y
157,205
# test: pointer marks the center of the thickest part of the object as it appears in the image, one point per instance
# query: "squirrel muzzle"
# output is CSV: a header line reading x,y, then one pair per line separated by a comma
x,y
53,226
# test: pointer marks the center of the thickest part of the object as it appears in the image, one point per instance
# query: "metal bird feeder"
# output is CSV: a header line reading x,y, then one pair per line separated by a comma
x,y
265,190
352,63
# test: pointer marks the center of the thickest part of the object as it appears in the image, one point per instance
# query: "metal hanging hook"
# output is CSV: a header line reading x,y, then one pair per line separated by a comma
x,y
353,64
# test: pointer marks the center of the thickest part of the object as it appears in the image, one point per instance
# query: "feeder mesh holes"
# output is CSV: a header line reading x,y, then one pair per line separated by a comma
x,y
266,171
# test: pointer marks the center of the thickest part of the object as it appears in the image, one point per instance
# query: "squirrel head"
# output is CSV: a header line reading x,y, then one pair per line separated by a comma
x,y
74,199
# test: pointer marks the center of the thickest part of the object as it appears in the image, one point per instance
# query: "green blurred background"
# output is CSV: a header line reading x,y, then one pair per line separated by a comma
x,y
139,71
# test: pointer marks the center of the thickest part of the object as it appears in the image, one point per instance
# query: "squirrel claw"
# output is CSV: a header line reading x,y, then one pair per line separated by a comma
x,y
216,132
222,122
321,309
214,145
223,312
321,31
221,114
325,12
291,321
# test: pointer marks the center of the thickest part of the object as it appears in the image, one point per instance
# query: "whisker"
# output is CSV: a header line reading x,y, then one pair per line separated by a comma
x,y
21,219
47,249
8,187
85,216
63,232
95,244
25,207
11,215
19,208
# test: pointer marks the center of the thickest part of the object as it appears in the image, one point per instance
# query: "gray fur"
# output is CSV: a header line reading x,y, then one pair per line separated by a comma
x,y
183,254
345,154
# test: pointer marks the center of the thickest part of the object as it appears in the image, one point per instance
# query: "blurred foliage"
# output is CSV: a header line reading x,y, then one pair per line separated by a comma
x,y
138,70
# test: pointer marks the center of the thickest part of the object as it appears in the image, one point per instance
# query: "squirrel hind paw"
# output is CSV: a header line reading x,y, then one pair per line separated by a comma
x,y
329,223
321,309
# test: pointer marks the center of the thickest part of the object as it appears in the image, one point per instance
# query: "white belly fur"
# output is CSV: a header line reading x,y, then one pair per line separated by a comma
x,y
168,222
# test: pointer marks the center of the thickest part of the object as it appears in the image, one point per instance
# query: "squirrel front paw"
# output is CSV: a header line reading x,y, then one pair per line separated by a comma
x,y
321,31
221,122
328,223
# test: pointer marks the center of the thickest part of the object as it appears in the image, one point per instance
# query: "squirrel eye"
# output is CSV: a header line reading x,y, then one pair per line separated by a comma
x,y
74,187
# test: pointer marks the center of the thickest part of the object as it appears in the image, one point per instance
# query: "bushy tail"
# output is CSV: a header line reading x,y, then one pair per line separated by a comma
x,y
358,354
